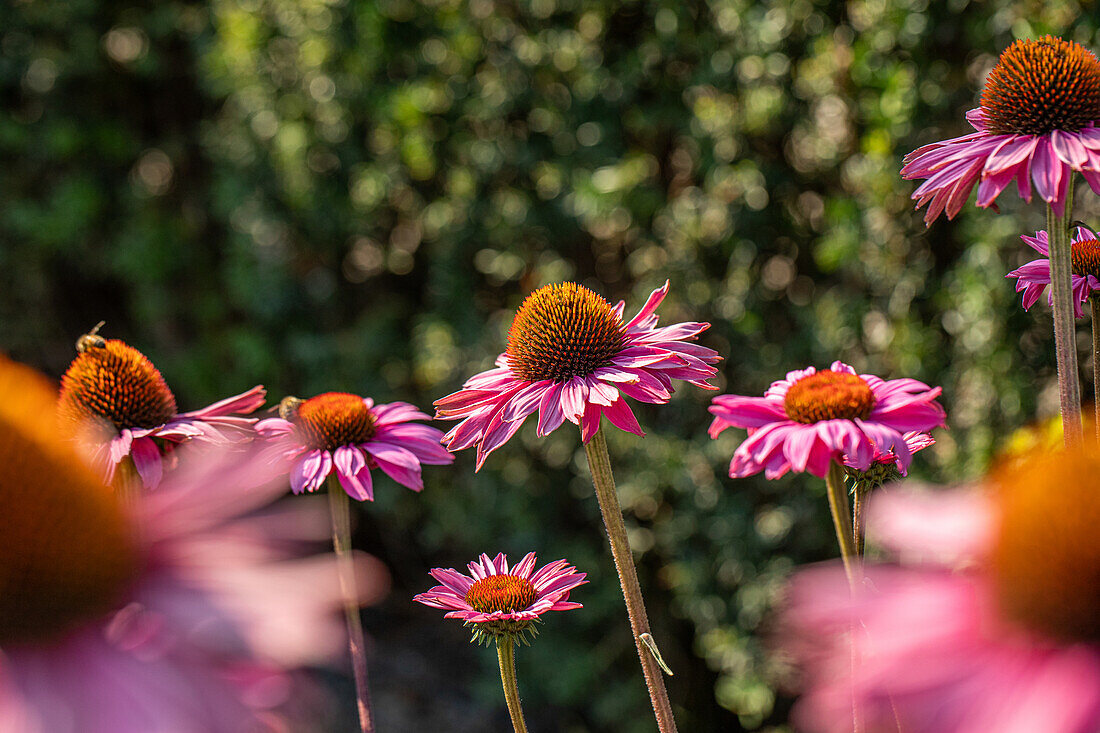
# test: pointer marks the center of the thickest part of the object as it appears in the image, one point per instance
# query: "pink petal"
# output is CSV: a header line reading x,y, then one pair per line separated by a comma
x,y
146,457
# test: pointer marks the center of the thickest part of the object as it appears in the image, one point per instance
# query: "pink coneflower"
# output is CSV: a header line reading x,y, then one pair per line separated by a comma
x,y
502,605
152,614
997,628
1035,125
571,357
811,419
495,598
124,406
351,435
1034,277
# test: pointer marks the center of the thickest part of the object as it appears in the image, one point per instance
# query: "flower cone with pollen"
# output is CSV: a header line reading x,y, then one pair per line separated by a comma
x,y
116,383
828,395
1042,85
563,331
1036,125
66,553
334,419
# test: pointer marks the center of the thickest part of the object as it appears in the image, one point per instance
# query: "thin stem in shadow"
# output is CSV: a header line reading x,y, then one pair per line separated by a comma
x,y
600,466
345,568
506,656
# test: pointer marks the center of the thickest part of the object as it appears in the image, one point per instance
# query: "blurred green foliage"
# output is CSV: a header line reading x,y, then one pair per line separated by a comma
x,y
355,195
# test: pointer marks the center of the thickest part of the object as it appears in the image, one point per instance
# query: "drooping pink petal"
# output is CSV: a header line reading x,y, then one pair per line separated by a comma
x,y
310,472
146,457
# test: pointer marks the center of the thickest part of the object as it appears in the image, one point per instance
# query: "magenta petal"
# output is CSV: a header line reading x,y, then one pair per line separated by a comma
x,y
398,463
351,469
590,421
621,416
310,472
651,304
1069,149
550,410
1046,170
245,402
146,457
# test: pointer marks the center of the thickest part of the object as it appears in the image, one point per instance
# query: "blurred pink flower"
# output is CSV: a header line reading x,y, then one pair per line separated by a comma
x,y
812,418
122,404
1034,277
351,435
571,357
180,610
992,622
503,598
1035,125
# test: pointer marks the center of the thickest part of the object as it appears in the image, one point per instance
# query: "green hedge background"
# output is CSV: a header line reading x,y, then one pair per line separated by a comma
x,y
349,195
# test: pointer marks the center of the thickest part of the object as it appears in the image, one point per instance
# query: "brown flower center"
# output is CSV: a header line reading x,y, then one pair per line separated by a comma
x,y
828,395
66,552
334,419
1046,553
501,593
1042,85
1085,257
563,331
116,383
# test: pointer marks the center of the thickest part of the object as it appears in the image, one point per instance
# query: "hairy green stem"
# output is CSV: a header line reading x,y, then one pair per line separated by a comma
x,y
1065,342
859,496
600,466
506,655
345,568
837,492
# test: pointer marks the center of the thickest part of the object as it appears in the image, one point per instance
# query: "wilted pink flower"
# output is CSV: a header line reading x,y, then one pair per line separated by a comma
x,y
992,622
1034,277
122,406
571,357
351,435
1035,125
812,418
163,612
501,598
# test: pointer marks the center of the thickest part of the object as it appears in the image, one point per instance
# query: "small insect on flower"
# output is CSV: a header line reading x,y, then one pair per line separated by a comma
x,y
352,435
1036,125
495,600
990,623
571,356
812,418
117,402
1034,277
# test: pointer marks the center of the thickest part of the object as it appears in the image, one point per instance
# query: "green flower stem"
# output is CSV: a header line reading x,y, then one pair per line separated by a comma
x,y
859,496
341,544
506,655
1094,301
600,466
1065,345
837,492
